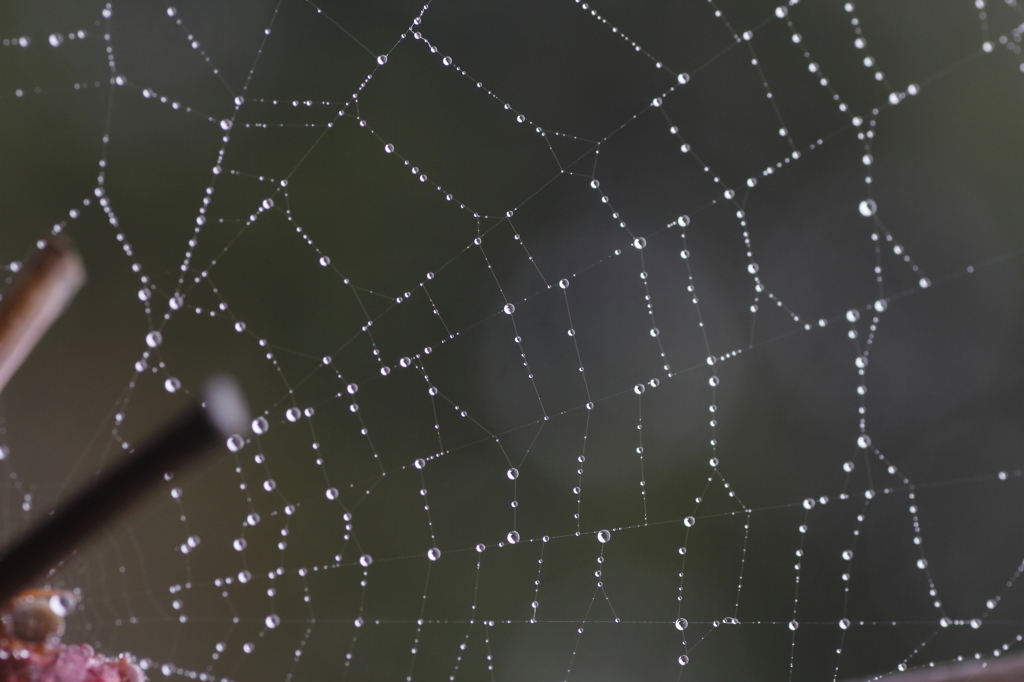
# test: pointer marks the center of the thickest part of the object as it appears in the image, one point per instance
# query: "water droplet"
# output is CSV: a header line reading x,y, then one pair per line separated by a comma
x,y
847,554
272,621
867,208
292,414
260,425
512,537
639,388
512,474
684,659
809,503
154,339
689,521
235,443
563,283
239,544
433,554
753,268
793,625
481,547
365,560
420,463
252,519
844,623
269,485
226,124
509,308
922,563
681,622
172,385
604,536
639,243
863,441
332,493
382,60
447,61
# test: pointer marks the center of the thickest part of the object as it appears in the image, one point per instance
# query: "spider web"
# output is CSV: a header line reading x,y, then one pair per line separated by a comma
x,y
583,340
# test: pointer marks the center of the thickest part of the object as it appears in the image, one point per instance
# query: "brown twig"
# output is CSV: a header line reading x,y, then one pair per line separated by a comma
x,y
40,295
1003,669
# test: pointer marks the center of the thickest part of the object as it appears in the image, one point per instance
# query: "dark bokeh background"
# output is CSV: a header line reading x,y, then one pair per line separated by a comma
x,y
944,399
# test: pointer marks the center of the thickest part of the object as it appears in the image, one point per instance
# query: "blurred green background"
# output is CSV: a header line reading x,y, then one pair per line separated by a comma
x,y
302,175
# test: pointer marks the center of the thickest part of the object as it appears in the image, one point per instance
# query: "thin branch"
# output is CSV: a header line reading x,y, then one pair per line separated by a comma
x,y
199,430
40,295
